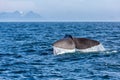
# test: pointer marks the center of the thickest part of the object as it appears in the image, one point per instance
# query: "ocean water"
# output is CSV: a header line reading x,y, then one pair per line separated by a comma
x,y
26,51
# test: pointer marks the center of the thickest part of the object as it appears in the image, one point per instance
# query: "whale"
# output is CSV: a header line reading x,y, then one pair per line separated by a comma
x,y
70,44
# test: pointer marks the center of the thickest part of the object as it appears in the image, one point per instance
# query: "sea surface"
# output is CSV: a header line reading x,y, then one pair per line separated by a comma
x,y
26,51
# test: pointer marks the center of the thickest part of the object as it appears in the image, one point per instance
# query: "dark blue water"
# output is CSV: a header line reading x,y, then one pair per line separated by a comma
x,y
26,52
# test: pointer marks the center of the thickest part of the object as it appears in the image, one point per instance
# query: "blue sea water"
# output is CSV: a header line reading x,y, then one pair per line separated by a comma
x,y
26,51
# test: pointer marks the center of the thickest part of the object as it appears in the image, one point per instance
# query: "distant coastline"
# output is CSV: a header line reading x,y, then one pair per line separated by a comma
x,y
19,16
59,21
30,16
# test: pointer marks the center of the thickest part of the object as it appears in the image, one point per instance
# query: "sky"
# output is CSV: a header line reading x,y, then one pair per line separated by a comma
x,y
75,10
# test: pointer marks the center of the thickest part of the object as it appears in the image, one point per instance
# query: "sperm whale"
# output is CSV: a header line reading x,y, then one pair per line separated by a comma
x,y
71,44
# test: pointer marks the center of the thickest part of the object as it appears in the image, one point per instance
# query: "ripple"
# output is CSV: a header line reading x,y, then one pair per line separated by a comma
x,y
26,52
19,71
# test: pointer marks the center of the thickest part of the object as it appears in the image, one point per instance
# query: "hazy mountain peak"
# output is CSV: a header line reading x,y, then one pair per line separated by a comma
x,y
31,14
19,15
17,12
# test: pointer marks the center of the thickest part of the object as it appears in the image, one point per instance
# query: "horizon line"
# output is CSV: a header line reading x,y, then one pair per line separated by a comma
x,y
59,20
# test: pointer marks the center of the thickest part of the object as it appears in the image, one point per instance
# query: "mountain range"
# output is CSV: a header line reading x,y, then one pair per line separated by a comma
x,y
19,15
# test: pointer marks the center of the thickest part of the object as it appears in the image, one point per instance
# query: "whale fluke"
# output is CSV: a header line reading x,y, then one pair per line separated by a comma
x,y
68,36
71,44
83,43
65,44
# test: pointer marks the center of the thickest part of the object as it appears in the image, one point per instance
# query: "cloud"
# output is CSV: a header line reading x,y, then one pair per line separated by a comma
x,y
12,5
89,9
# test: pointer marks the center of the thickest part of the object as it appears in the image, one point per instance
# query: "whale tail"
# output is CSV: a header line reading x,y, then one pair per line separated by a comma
x,y
71,44
68,36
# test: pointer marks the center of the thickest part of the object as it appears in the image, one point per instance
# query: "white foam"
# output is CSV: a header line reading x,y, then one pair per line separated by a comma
x,y
93,49
110,52
58,51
